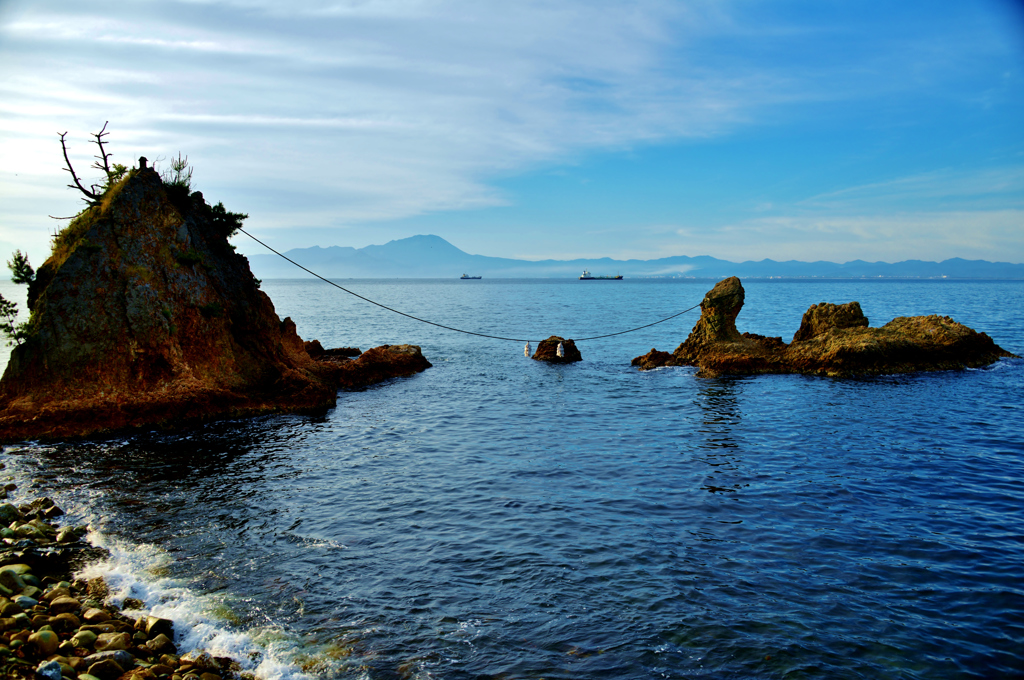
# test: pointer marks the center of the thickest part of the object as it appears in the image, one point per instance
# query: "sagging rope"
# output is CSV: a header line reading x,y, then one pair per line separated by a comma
x,y
439,325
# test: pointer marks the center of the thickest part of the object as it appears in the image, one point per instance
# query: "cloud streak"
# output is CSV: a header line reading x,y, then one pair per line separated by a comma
x,y
335,114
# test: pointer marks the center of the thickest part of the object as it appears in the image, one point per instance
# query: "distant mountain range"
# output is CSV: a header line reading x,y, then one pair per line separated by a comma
x,y
433,257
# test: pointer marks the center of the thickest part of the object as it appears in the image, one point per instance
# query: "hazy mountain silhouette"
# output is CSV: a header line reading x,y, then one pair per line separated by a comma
x,y
433,257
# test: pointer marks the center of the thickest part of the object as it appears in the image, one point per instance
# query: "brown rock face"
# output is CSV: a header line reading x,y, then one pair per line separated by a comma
x,y
833,340
715,345
547,350
144,316
821,317
653,359
372,366
718,311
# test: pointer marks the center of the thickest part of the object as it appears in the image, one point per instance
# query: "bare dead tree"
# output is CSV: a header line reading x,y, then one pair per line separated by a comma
x,y
95,191
104,157
92,198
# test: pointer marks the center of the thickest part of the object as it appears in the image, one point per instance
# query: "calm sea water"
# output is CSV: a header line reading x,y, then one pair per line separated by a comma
x,y
496,517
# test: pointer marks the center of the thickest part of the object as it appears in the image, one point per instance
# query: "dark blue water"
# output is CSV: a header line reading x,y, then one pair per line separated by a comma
x,y
499,517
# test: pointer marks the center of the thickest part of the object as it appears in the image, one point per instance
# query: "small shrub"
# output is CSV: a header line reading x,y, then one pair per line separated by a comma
x,y
179,175
226,223
21,270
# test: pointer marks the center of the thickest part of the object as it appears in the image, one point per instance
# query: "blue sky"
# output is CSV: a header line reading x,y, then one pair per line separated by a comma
x,y
580,128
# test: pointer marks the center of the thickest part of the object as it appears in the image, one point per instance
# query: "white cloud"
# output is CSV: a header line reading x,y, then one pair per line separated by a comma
x,y
335,113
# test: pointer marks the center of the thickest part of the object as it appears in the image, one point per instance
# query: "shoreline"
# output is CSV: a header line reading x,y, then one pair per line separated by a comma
x,y
56,622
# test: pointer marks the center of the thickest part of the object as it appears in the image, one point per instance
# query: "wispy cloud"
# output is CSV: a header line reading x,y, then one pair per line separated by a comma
x,y
333,113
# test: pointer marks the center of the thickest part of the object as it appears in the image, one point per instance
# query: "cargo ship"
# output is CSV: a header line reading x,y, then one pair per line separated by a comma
x,y
587,276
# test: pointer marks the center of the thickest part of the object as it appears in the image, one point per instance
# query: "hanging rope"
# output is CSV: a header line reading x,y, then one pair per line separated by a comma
x,y
439,325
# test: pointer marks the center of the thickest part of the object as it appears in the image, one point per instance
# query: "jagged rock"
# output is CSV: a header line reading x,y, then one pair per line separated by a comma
x,y
821,317
653,359
833,340
374,365
547,350
144,316
317,351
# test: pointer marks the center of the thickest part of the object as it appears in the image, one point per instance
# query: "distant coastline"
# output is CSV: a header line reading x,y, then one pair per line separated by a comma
x,y
433,257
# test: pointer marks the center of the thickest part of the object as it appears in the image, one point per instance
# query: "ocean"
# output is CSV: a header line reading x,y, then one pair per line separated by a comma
x,y
497,517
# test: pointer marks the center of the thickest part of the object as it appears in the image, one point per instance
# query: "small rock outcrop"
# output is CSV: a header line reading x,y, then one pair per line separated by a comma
x,y
373,366
547,350
833,340
144,316
822,317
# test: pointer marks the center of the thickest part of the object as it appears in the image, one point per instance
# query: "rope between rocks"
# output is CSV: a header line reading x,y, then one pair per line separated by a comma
x,y
440,325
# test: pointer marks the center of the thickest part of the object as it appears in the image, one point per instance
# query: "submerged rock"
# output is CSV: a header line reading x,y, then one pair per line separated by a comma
x,y
144,316
547,350
833,340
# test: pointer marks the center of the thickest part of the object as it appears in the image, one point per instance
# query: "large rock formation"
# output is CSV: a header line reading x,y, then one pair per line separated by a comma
x,y
833,340
144,316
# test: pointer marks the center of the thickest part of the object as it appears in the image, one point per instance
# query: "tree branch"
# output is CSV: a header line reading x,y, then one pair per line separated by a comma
x,y
77,185
104,156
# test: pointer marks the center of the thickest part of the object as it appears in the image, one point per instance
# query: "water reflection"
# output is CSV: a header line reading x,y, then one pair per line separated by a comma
x,y
720,428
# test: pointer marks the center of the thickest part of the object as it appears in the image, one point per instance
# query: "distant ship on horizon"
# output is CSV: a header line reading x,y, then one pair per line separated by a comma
x,y
586,276
467,276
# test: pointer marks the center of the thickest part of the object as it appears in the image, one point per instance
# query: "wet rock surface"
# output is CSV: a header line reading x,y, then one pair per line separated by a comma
x,y
55,626
833,340
547,350
144,316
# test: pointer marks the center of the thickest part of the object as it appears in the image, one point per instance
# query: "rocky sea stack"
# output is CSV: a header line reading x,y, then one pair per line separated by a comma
x,y
145,316
833,340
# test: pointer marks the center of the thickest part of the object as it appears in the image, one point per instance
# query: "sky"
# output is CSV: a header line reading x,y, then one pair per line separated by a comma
x,y
740,129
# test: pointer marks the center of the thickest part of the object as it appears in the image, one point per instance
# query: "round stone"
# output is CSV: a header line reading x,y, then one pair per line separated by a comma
x,y
25,602
54,592
65,622
107,669
46,641
84,638
111,641
63,605
95,615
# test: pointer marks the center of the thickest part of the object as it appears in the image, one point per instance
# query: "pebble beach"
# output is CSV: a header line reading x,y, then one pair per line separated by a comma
x,y
54,625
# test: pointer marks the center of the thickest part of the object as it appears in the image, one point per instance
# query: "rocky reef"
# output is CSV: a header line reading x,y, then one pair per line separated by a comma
x,y
547,350
833,340
145,317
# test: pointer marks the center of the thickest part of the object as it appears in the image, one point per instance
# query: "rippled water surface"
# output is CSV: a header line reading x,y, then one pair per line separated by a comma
x,y
500,517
